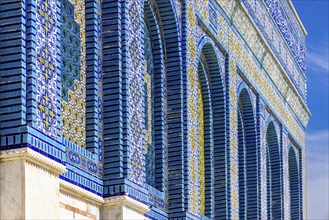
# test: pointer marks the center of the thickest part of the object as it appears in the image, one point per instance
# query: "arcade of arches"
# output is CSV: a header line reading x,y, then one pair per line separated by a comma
x,y
152,109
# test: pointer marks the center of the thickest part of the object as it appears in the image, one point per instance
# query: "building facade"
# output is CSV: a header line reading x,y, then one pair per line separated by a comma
x,y
152,109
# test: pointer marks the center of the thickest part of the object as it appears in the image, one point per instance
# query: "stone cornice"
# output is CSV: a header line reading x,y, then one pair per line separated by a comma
x,y
115,200
80,192
125,200
270,51
33,157
292,7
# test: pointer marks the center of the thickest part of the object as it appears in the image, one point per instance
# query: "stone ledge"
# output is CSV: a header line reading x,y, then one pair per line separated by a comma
x,y
80,192
125,200
32,157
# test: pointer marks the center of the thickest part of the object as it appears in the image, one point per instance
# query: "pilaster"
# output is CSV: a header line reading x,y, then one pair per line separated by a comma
x,y
123,98
286,186
261,121
13,61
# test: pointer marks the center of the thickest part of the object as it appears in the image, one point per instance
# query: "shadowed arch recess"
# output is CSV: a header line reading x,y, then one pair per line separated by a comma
x,y
155,93
294,185
206,141
248,158
213,99
274,174
168,26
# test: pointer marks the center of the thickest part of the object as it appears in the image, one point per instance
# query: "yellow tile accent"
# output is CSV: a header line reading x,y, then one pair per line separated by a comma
x,y
201,148
74,111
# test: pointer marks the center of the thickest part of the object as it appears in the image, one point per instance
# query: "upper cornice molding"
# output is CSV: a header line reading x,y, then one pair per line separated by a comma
x,y
297,17
32,157
125,200
80,192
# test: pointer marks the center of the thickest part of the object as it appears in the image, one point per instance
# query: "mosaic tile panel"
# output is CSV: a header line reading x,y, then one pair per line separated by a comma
x,y
70,49
149,108
84,163
135,101
287,30
265,85
193,122
73,71
201,148
268,28
47,67
128,99
213,20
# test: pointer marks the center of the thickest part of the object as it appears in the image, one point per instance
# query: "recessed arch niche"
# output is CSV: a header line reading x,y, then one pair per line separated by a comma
x,y
248,158
211,111
274,174
294,184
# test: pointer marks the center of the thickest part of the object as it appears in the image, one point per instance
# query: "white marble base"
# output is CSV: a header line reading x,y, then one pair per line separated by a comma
x,y
77,203
122,208
29,185
31,189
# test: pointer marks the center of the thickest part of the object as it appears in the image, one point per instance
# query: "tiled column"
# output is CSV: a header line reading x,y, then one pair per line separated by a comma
x,y
124,165
233,143
303,182
286,186
263,156
13,69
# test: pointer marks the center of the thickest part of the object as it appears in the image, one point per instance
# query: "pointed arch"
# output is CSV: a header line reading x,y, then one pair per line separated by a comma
x,y
248,158
155,91
205,138
274,174
213,98
168,21
294,184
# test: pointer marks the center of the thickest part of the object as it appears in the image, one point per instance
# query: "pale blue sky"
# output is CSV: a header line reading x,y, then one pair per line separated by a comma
x,y
314,15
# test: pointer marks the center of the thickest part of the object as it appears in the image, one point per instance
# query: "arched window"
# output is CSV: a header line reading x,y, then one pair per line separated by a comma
x,y
149,106
205,138
248,167
294,185
274,174
211,127
242,167
201,146
154,102
268,184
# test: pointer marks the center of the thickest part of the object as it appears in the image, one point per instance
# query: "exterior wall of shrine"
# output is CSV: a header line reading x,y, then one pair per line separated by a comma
x,y
152,109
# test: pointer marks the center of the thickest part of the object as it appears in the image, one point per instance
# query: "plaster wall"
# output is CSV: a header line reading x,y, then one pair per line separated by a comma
x,y
73,207
11,189
28,191
121,212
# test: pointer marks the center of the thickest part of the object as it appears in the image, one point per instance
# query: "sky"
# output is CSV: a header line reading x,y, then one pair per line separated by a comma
x,y
314,16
